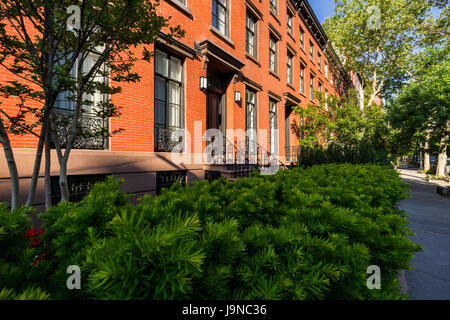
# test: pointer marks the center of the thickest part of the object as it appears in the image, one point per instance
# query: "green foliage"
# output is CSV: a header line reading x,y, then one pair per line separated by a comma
x,y
379,53
364,152
28,294
301,234
70,226
421,113
337,130
16,256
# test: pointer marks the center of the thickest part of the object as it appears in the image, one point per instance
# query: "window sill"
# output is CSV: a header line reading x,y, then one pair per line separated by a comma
x,y
291,86
222,36
303,95
303,49
273,14
291,35
252,58
181,7
274,74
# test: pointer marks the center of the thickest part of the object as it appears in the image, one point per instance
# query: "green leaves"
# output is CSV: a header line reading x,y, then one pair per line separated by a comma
x,y
301,234
421,112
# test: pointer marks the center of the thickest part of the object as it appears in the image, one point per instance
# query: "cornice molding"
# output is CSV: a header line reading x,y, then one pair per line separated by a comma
x,y
254,10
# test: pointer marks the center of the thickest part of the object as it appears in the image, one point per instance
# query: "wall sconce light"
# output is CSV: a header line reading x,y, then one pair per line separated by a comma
x,y
203,83
237,96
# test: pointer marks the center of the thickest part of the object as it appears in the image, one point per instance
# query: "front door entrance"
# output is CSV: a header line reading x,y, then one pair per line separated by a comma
x,y
214,111
215,117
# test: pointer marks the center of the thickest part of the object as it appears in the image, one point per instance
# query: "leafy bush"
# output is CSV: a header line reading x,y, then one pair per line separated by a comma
x,y
17,254
28,294
301,234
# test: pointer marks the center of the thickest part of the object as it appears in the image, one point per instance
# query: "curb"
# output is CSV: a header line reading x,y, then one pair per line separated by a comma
x,y
443,191
402,279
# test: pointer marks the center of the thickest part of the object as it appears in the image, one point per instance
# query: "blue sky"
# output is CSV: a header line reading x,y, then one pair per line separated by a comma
x,y
325,8
322,8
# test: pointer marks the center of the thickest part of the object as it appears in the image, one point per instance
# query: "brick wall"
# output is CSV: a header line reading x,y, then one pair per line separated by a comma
x,y
137,100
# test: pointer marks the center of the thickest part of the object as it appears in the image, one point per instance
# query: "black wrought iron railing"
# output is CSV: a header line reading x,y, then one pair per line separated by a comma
x,y
292,154
168,140
91,130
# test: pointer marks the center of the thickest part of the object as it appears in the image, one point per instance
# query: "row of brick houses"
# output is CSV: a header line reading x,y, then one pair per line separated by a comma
x,y
243,64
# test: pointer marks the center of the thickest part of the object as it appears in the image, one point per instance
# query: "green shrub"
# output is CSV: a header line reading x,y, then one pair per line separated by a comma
x,y
28,294
301,234
16,255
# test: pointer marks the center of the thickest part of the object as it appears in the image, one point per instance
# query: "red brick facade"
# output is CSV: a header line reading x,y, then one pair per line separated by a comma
x,y
204,50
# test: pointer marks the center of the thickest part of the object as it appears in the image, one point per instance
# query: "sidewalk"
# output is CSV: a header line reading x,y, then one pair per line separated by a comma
x,y
430,220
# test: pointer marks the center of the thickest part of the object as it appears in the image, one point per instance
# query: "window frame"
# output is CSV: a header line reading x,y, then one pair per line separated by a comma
x,y
168,80
273,115
253,92
290,68
290,17
273,6
273,52
255,35
302,78
311,51
216,15
302,38
311,87
319,61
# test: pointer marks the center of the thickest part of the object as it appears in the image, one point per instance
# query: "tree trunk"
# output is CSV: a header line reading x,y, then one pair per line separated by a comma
x,y
63,185
442,159
37,166
47,184
14,176
426,162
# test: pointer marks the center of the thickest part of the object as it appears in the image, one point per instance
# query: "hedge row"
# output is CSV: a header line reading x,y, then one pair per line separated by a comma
x,y
301,234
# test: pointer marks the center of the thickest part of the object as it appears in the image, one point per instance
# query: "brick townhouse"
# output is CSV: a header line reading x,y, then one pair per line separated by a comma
x,y
243,64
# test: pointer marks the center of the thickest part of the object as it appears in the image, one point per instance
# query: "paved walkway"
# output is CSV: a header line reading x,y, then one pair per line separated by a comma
x,y
430,220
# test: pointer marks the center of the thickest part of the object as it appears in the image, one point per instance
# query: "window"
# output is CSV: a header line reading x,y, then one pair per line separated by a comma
x,y
302,127
251,124
311,87
311,51
273,55
302,38
251,36
319,61
220,16
273,141
274,6
289,68
290,22
331,77
78,185
168,96
90,119
165,179
302,79
65,100
326,99
320,86
326,70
